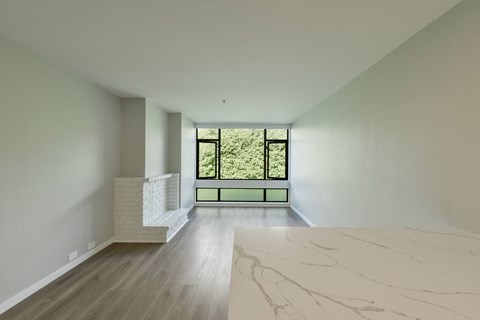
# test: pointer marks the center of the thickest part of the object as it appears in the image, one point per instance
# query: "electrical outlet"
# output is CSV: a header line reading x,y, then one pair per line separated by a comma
x,y
91,245
72,255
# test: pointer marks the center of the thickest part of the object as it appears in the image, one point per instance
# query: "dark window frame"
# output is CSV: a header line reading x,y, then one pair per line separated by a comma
x,y
262,201
208,141
218,154
218,194
267,159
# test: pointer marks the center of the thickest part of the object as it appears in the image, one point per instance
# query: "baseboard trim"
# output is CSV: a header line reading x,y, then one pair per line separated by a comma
x,y
139,241
307,221
19,297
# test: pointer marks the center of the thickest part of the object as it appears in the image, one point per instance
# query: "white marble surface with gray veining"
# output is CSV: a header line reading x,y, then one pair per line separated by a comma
x,y
352,273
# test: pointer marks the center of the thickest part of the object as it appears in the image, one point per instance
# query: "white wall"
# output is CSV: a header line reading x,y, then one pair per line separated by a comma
x,y
181,155
133,137
400,145
156,140
59,151
174,142
188,163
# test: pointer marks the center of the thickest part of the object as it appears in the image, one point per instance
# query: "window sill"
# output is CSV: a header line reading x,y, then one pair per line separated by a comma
x,y
244,204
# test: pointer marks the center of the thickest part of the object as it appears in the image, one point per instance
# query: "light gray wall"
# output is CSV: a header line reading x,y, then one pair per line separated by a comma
x,y
181,155
59,152
188,162
174,142
400,144
156,140
133,137
144,138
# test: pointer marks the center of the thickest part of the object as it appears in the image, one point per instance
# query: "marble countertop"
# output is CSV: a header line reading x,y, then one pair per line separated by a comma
x,y
352,273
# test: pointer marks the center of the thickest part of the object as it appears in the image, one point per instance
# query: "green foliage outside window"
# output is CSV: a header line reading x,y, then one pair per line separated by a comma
x,y
207,133
276,163
207,163
242,153
277,134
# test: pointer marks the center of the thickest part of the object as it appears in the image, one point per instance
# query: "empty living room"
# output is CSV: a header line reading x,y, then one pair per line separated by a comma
x,y
240,160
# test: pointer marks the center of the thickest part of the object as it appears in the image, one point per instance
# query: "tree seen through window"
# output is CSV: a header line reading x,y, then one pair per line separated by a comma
x,y
255,154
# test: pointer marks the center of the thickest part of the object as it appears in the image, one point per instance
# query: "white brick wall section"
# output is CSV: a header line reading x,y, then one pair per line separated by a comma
x,y
147,209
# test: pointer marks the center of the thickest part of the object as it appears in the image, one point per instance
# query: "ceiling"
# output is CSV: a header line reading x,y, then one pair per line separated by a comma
x,y
270,60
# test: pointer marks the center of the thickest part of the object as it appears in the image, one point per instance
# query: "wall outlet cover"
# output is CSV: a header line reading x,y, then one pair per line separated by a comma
x,y
72,255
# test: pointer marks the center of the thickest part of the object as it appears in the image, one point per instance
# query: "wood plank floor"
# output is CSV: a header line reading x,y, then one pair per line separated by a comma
x,y
187,278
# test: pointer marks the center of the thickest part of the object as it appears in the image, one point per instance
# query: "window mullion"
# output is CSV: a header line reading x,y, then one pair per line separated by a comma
x,y
219,156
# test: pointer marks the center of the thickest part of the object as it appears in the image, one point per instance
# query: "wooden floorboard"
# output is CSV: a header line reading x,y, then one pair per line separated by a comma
x,y
187,278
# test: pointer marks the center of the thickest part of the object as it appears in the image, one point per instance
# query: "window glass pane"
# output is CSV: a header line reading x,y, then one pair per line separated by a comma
x,y
210,133
277,195
241,194
207,161
277,134
204,194
242,154
277,155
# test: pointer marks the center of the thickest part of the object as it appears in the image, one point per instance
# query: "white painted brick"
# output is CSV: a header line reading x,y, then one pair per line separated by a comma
x,y
147,209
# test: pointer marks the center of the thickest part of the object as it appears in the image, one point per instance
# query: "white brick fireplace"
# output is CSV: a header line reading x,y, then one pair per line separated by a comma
x,y
148,209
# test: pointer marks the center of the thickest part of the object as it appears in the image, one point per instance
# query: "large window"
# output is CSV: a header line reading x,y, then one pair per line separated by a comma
x,y
242,154
241,195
